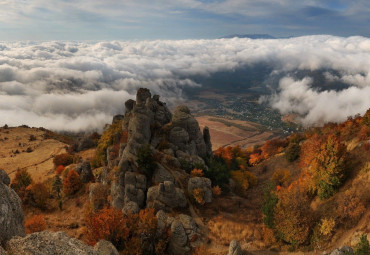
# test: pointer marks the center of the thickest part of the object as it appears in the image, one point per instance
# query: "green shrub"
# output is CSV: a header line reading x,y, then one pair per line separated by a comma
x,y
146,161
363,247
292,152
217,171
269,202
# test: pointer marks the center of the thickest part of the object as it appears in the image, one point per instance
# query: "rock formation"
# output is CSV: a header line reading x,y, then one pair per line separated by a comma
x,y
56,243
165,196
85,172
11,214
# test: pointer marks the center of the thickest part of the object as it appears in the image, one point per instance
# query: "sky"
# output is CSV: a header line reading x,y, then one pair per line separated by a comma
x,y
43,20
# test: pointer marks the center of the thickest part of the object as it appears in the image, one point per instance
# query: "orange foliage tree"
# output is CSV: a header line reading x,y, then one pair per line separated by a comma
x,y
40,194
21,181
64,159
35,224
272,147
293,218
72,183
59,170
197,172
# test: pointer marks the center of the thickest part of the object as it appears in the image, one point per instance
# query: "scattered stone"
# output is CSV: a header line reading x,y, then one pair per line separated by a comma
x,y
344,250
234,248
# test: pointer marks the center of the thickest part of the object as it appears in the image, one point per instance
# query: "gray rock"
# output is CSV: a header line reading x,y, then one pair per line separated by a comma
x,y
117,194
178,239
11,213
130,208
161,174
165,196
4,178
129,104
344,250
85,172
104,247
234,248
189,225
203,183
48,243
142,95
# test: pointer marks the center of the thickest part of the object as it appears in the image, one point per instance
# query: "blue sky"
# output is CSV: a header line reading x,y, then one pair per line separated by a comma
x,y
178,19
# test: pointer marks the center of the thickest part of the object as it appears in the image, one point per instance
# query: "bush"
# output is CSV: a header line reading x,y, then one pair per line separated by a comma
x,y
269,202
59,170
281,177
64,159
196,172
216,190
363,247
244,179
349,209
20,183
57,185
146,161
292,152
71,184
35,224
327,226
217,171
198,195
40,195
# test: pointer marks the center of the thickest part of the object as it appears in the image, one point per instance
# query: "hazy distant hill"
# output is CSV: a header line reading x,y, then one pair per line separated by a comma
x,y
251,36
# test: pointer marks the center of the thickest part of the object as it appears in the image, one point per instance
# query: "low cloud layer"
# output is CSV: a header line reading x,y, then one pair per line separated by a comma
x,y
78,86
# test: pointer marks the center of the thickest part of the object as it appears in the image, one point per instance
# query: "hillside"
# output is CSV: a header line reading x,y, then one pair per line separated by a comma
x,y
154,182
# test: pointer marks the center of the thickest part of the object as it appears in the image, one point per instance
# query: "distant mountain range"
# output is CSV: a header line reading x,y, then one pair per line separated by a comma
x,y
251,36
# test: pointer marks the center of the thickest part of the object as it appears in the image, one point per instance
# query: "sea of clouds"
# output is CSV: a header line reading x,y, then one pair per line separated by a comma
x,y
78,86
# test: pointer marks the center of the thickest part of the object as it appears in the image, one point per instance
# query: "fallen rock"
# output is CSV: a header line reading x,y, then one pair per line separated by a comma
x,y
104,247
11,213
234,248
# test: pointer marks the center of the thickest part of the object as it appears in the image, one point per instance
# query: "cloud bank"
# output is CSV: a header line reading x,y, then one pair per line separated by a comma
x,y
78,85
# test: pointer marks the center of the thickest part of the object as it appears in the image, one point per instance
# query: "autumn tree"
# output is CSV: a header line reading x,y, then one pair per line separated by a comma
x,y
40,195
71,184
293,218
328,167
64,159
20,183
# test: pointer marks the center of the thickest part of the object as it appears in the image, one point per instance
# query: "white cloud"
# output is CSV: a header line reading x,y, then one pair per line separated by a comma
x,y
42,84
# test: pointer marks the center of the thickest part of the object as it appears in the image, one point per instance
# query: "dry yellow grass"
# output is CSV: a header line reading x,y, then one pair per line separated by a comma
x,y
39,162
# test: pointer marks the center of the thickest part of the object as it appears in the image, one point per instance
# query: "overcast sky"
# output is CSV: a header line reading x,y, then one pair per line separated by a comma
x,y
178,19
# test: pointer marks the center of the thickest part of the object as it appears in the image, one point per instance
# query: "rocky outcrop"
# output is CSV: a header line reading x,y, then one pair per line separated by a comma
x,y
85,172
178,239
234,248
201,182
161,174
165,196
55,243
135,188
11,214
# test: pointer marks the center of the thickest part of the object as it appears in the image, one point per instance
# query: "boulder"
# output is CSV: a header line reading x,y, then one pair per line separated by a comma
x,y
178,239
11,213
189,225
234,248
50,243
104,247
130,208
203,183
165,196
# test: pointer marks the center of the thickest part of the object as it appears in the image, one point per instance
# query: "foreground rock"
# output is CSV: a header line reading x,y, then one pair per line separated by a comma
x,y
234,248
56,243
11,214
